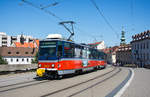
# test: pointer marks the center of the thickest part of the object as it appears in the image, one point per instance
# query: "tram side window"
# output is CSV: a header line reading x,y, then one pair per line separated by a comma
x,y
59,52
68,50
90,54
96,54
77,52
84,53
93,54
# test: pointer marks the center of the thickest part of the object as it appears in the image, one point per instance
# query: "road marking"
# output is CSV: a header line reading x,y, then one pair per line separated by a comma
x,y
119,90
126,85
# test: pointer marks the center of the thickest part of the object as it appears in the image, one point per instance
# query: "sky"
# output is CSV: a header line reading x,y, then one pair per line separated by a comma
x,y
17,17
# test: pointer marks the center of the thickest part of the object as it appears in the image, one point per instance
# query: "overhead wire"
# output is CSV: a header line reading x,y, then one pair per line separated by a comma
x,y
43,9
107,22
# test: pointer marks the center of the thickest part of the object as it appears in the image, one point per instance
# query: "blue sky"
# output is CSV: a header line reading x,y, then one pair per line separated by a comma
x,y
17,17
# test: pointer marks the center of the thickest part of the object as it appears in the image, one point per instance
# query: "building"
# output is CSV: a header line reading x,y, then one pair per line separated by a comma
x,y
141,48
7,41
124,54
4,40
19,49
110,54
18,55
98,45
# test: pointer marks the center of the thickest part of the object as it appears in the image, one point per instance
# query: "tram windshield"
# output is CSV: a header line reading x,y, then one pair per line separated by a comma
x,y
47,50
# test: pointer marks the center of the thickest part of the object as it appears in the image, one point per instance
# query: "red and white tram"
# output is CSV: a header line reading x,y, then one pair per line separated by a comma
x,y
58,57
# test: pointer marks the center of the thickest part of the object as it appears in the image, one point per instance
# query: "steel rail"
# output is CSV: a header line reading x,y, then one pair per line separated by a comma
x,y
57,91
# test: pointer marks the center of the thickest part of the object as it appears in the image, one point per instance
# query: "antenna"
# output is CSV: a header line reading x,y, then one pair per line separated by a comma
x,y
69,30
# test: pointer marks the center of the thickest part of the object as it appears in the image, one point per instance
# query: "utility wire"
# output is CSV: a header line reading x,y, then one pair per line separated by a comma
x,y
101,13
43,9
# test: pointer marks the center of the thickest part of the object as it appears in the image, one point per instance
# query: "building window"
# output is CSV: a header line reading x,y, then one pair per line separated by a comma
x,y
26,52
138,46
17,60
22,60
27,59
9,52
147,56
144,46
147,45
5,59
17,52
11,60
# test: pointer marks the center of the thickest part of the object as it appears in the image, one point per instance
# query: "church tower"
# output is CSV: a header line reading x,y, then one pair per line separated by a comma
x,y
123,40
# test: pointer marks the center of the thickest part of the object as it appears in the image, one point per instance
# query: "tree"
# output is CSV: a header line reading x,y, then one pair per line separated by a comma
x,y
35,60
2,61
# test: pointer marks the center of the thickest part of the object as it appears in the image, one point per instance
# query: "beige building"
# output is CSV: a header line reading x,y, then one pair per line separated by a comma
x,y
141,48
124,55
110,54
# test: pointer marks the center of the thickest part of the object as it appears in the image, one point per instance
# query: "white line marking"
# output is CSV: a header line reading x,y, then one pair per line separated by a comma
x,y
126,85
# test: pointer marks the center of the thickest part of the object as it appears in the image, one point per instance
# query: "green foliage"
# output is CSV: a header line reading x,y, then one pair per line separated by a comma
x,y
2,61
35,60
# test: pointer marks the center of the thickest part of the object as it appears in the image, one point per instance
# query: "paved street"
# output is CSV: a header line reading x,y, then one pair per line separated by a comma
x,y
140,86
95,84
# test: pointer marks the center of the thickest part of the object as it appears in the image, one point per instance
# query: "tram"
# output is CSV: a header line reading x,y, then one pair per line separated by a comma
x,y
59,57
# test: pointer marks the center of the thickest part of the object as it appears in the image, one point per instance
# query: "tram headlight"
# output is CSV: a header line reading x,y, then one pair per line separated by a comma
x,y
53,65
39,65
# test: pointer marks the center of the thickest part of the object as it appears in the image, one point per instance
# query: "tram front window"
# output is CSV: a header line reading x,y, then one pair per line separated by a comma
x,y
47,50
47,53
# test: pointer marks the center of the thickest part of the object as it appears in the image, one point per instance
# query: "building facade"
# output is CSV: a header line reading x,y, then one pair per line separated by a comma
x,y
124,55
110,54
7,41
18,55
141,48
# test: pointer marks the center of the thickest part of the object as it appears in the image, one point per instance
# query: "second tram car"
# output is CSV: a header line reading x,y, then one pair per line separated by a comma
x,y
59,57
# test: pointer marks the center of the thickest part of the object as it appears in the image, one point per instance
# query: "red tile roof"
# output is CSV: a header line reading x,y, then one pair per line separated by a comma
x,y
110,50
25,44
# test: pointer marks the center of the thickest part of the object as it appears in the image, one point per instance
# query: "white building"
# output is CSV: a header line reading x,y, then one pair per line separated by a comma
x,y
141,48
98,45
7,41
18,55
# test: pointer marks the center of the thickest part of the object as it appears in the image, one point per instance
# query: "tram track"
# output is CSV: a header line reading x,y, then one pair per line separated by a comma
x,y
17,84
95,84
34,82
25,82
22,85
78,84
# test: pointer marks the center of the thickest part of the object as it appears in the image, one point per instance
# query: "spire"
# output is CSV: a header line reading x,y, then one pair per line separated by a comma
x,y
122,37
22,39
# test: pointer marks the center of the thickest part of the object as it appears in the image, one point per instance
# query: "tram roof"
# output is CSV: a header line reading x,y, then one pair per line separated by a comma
x,y
64,40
